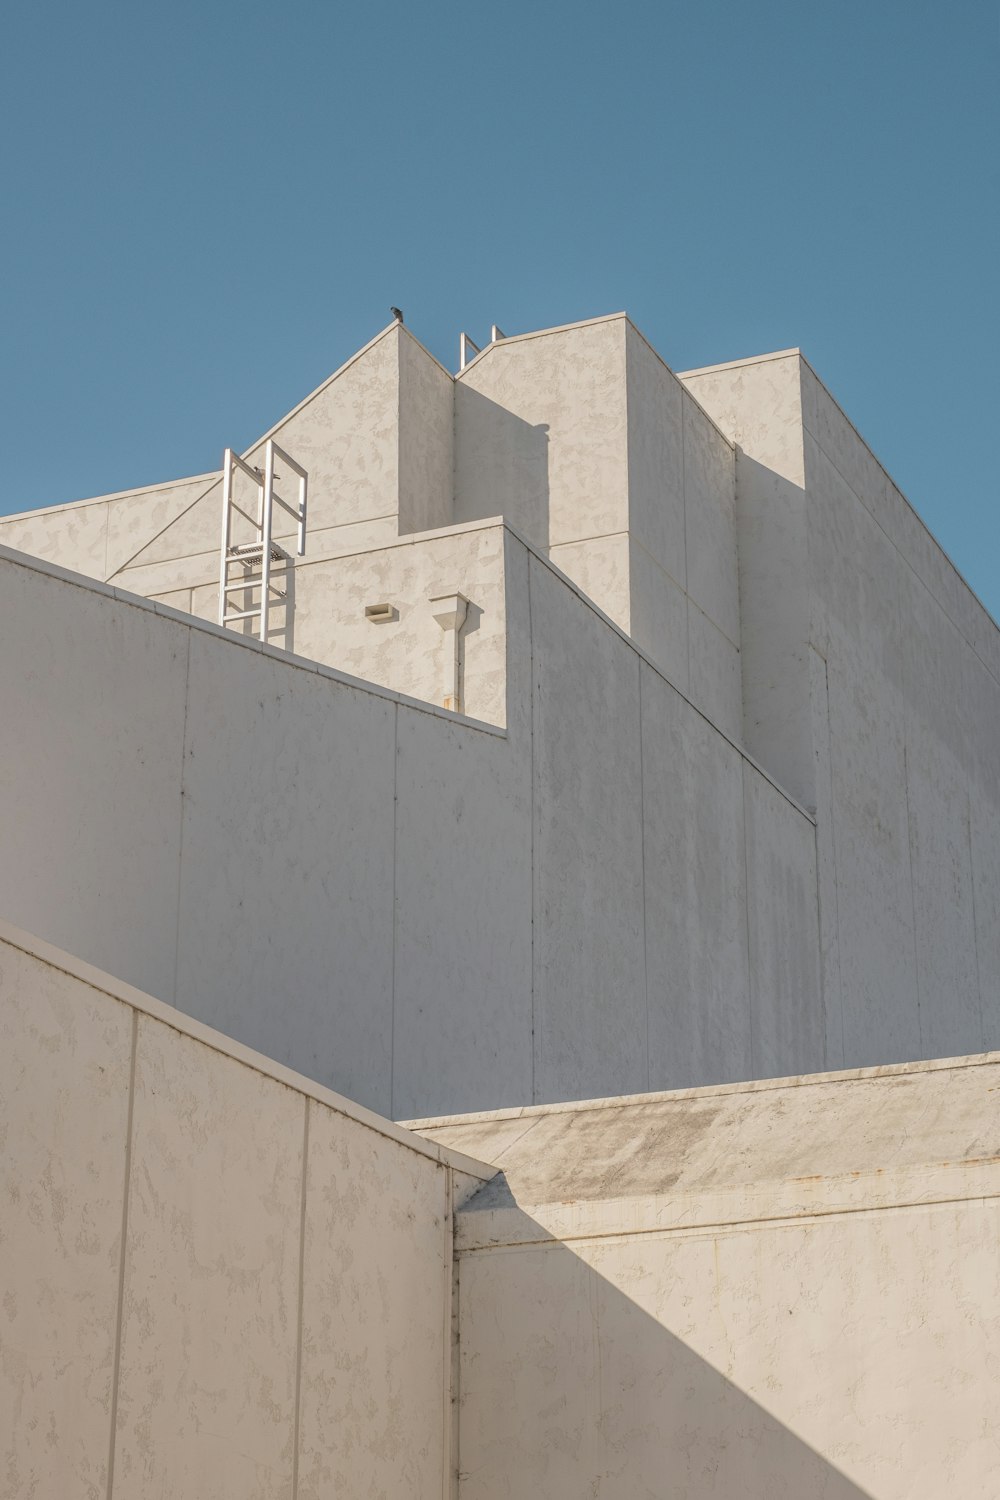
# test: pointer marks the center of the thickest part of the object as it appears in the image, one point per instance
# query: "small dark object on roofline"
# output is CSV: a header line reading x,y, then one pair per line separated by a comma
x,y
396,314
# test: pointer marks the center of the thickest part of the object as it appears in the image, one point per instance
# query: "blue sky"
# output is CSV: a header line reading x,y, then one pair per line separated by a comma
x,y
209,206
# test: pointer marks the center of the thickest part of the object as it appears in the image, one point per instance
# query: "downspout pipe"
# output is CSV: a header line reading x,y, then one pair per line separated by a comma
x,y
450,611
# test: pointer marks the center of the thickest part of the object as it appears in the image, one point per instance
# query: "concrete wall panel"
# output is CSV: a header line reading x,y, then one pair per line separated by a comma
x,y
501,463
752,1291
984,837
656,403
91,747
286,1268
714,667
376,1304
285,936
426,439
525,1428
826,868
659,616
64,1094
776,620
789,1031
462,920
758,405
589,961
874,894
944,909
602,568
841,443
206,1401
568,386
694,858
710,521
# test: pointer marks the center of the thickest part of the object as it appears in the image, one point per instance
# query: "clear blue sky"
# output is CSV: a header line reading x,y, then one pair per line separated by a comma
x,y
209,206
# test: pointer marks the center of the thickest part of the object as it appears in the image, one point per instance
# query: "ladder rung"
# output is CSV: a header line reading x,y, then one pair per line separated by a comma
x,y
244,583
243,614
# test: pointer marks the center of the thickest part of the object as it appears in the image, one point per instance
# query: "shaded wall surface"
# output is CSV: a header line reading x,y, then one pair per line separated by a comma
x,y
217,1278
871,686
771,1291
423,912
585,440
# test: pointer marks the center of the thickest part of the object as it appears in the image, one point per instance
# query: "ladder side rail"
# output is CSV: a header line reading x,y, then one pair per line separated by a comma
x,y
465,343
266,497
248,469
286,458
303,487
303,478
227,500
297,513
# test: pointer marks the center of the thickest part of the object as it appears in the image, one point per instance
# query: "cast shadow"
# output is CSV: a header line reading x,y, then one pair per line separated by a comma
x,y
501,466
569,1388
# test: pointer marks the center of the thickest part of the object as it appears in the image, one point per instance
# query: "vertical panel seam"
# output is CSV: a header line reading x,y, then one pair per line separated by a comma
x,y
395,819
746,900
116,1366
449,1458
684,498
180,838
297,1419
975,920
913,894
836,871
642,850
531,712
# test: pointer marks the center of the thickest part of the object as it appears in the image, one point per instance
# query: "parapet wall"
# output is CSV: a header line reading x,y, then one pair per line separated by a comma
x,y
770,1291
218,1279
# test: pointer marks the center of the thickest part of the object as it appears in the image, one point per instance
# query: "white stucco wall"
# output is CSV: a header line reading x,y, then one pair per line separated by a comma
x,y
376,439
771,1291
218,1278
584,440
99,537
421,911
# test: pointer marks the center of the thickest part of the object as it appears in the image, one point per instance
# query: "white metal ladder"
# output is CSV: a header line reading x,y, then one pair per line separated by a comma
x,y
246,566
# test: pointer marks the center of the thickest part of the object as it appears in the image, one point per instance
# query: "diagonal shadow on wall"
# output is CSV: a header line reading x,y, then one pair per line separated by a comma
x,y
570,1389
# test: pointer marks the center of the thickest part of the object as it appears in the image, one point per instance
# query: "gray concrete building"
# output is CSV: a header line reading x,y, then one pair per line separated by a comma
x,y
474,747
